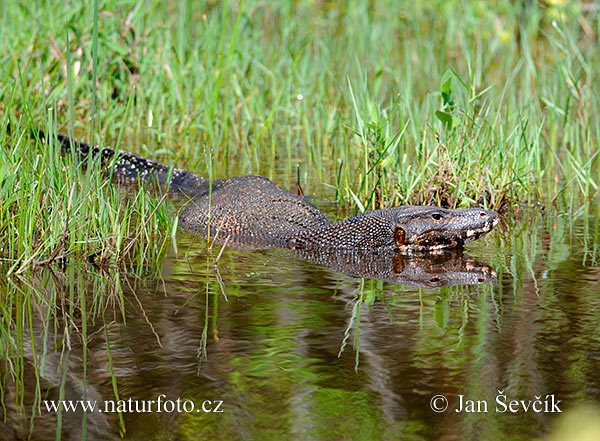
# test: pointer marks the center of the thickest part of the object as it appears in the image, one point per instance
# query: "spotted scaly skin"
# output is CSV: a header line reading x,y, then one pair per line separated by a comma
x,y
250,211
131,169
406,229
253,212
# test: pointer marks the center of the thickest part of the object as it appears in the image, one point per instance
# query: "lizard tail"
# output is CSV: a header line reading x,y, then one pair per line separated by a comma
x,y
130,168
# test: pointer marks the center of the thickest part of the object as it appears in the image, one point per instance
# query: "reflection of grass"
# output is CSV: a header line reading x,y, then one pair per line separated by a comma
x,y
270,352
44,334
377,100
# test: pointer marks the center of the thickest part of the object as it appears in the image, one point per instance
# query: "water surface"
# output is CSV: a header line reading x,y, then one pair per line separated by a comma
x,y
296,350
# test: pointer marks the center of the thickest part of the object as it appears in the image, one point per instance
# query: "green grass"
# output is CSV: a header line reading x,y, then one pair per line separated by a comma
x,y
53,210
369,103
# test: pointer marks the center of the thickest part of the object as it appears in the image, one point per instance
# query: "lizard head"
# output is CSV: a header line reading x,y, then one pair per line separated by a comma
x,y
425,228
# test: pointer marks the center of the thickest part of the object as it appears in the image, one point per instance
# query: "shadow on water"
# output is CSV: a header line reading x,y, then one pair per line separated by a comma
x,y
308,346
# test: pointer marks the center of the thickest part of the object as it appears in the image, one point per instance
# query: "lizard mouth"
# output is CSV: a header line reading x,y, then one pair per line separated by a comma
x,y
440,238
488,225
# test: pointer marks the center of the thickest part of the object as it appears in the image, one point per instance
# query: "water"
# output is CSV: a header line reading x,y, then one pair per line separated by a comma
x,y
290,349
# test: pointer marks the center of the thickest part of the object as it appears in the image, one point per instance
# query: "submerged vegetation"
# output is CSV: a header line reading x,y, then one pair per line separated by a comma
x,y
367,103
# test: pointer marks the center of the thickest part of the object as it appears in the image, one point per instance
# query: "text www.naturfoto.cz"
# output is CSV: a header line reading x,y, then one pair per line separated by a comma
x,y
134,406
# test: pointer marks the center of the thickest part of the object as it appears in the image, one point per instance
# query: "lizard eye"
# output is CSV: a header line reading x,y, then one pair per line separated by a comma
x,y
436,216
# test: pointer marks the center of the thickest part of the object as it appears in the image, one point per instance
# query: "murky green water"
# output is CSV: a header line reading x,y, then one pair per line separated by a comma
x,y
295,350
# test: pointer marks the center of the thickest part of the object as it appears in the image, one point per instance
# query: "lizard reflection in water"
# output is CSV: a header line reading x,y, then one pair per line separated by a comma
x,y
253,212
451,267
